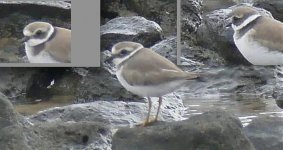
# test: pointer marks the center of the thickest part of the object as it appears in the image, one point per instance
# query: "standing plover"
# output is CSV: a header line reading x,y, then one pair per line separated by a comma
x,y
258,38
146,73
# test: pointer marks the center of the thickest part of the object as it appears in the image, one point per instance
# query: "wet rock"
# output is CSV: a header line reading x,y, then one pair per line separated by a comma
x,y
214,35
16,15
211,130
23,85
162,12
274,6
68,135
100,84
11,134
266,133
116,113
137,29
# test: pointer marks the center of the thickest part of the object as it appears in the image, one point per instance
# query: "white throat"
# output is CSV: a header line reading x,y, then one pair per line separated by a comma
x,y
246,22
34,42
118,61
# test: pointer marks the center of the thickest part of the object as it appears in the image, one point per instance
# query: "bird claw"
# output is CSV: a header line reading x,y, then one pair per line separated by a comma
x,y
147,122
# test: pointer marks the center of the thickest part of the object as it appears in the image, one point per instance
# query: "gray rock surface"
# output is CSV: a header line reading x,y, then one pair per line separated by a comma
x,y
211,130
11,134
90,125
266,133
137,29
68,135
100,84
162,12
273,6
191,20
116,113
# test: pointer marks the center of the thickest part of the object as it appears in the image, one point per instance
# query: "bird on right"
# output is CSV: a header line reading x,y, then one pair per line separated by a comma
x,y
259,39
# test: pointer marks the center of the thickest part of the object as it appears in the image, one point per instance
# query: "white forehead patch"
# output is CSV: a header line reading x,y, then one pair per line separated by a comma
x,y
27,32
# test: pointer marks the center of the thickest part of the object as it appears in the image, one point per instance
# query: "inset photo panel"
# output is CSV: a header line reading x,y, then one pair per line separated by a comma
x,y
35,32
141,23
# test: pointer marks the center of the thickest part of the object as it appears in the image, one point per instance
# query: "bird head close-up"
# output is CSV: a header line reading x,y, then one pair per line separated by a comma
x,y
37,33
241,16
123,51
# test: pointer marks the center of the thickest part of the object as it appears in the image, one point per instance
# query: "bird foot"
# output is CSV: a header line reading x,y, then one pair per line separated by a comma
x,y
147,122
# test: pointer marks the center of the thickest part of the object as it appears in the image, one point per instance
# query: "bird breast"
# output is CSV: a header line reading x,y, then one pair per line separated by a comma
x,y
256,53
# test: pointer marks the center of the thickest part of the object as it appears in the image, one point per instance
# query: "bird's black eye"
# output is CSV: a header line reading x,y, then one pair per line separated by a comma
x,y
235,18
123,52
38,32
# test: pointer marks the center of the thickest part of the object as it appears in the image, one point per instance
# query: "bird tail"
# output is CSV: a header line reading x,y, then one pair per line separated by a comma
x,y
202,77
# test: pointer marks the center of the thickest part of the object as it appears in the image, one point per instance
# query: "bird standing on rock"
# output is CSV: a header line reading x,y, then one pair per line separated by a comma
x,y
147,74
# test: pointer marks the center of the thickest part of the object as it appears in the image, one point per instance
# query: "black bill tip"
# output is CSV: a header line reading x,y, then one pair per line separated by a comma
x,y
24,39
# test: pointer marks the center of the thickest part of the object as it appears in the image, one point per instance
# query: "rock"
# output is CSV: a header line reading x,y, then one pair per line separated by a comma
x,y
211,130
116,113
68,135
191,20
198,56
100,84
88,126
16,15
274,6
214,35
266,133
162,12
167,48
137,29
23,85
212,5
11,134
13,82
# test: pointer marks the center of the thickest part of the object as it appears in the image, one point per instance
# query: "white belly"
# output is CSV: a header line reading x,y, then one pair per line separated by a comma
x,y
150,91
42,57
257,54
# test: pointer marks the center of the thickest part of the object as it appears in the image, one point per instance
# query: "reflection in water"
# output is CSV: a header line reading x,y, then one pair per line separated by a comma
x,y
56,101
245,108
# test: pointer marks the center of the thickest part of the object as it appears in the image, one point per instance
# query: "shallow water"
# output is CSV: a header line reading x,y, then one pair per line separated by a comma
x,y
33,108
245,107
